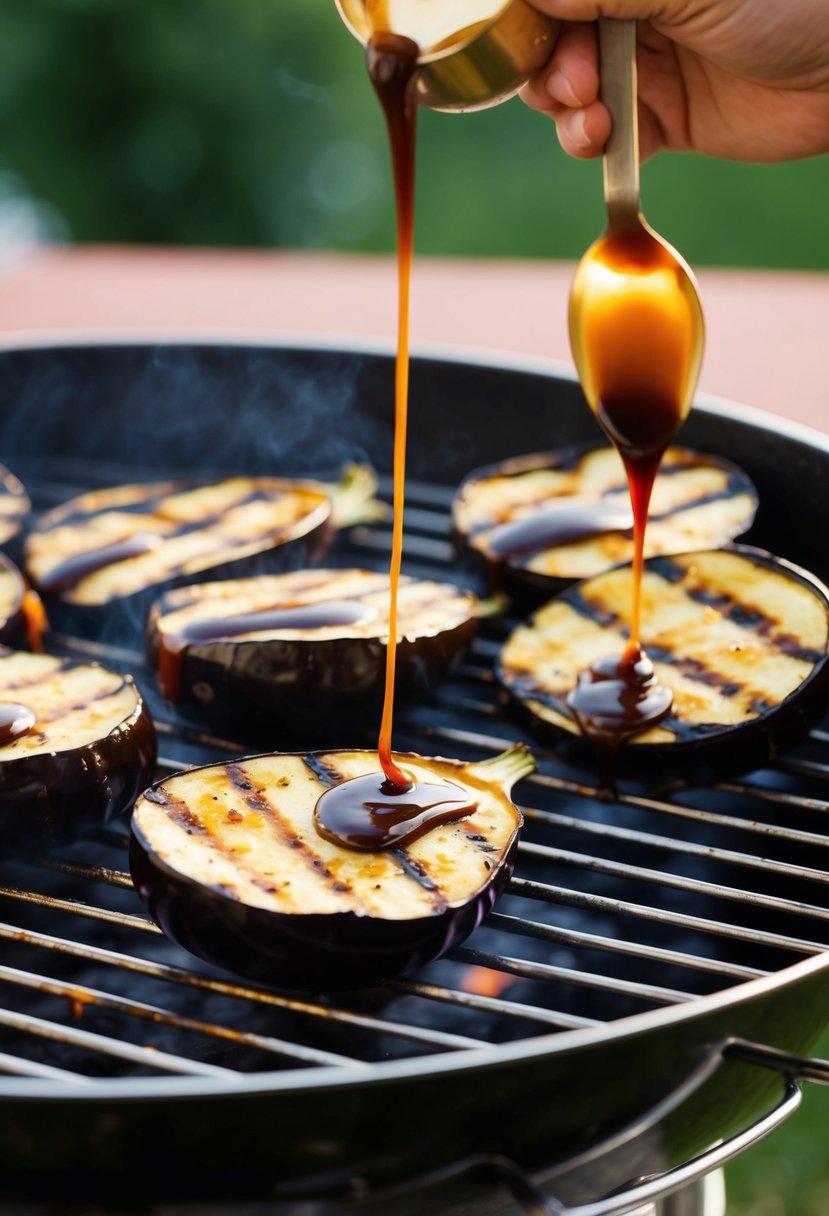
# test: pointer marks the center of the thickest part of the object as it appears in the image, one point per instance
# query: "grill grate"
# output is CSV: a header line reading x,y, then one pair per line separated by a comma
x,y
661,897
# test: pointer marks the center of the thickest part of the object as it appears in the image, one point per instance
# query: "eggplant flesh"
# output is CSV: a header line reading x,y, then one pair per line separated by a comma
x,y
90,751
229,863
119,547
543,521
274,656
739,636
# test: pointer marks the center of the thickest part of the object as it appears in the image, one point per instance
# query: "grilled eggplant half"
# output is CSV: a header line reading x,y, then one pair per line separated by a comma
x,y
119,547
738,635
541,522
22,617
272,656
230,865
77,745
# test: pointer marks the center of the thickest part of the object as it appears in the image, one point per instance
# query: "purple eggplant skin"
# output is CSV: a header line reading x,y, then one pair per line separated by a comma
x,y
59,796
528,589
286,690
715,754
314,952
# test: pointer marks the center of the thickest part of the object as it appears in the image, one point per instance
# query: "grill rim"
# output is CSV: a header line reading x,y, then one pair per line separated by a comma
x,y
437,1066
325,1077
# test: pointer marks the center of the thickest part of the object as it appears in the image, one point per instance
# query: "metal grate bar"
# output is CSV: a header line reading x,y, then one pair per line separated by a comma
x,y
604,904
595,941
732,822
683,848
126,920
491,1004
148,1057
440,552
114,878
777,797
804,768
80,996
620,869
585,979
15,1066
191,979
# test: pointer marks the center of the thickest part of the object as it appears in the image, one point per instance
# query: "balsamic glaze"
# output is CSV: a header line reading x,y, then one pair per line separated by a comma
x,y
383,810
615,698
562,524
16,720
370,813
640,402
69,573
172,645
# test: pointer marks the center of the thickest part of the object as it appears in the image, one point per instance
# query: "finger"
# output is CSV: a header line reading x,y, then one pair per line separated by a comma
x,y
572,75
583,132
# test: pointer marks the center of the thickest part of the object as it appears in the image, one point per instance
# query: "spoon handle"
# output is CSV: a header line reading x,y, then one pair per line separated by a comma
x,y
617,54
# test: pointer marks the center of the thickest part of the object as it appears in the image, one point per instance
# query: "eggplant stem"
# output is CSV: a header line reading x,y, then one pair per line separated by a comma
x,y
508,767
353,497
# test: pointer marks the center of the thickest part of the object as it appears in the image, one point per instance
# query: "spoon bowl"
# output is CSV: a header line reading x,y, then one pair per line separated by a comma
x,y
636,324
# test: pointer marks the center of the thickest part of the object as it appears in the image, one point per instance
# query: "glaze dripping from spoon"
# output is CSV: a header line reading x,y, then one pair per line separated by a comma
x,y
636,330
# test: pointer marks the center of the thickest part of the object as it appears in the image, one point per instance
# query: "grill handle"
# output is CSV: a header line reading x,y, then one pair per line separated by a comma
x,y
655,1187
800,1068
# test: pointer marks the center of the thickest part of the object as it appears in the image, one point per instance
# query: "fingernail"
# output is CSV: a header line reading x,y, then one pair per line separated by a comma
x,y
559,87
575,129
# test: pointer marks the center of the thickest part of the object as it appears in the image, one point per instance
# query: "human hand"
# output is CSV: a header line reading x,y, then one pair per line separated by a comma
x,y
743,79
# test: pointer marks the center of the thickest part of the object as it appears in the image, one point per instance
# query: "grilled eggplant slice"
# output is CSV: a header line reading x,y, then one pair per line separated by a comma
x,y
541,522
738,635
230,865
22,616
77,744
269,657
118,547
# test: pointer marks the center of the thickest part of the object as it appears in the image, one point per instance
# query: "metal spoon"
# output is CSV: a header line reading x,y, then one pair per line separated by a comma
x,y
636,325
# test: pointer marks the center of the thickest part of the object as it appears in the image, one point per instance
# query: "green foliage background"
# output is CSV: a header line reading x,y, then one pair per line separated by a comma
x,y
248,123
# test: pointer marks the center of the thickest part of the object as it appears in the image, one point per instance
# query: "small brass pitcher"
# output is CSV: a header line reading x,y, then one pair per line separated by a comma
x,y
469,66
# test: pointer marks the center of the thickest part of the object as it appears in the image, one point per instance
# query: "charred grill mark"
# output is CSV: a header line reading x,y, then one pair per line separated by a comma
x,y
56,713
751,619
595,610
74,569
256,800
695,669
324,772
40,678
178,811
418,872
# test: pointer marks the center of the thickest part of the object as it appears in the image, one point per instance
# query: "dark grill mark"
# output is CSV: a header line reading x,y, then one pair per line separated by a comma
x,y
594,610
256,800
178,811
76,566
414,869
61,711
324,772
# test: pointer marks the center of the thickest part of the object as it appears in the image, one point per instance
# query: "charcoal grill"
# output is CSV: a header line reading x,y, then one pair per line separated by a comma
x,y
636,1011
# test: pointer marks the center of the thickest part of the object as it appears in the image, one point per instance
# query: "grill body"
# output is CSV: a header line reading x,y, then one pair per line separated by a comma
x,y
598,1049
